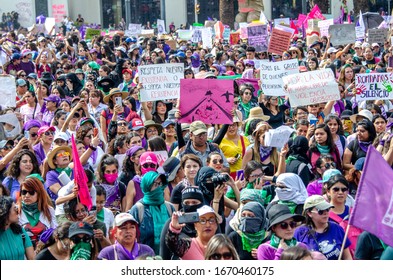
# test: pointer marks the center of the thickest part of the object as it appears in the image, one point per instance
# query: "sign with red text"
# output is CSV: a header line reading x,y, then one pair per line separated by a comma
x,y
58,12
373,86
160,81
279,41
311,87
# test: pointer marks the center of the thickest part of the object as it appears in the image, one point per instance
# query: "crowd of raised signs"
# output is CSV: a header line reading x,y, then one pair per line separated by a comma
x,y
161,189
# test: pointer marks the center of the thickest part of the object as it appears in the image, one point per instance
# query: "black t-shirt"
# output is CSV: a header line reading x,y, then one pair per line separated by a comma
x,y
357,152
275,120
45,254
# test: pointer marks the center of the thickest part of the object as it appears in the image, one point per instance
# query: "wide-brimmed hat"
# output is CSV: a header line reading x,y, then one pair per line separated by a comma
x,y
316,43
53,153
316,201
278,213
114,91
152,123
171,166
257,113
363,113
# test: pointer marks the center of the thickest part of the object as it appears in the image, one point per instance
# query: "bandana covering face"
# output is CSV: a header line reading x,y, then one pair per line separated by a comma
x,y
81,251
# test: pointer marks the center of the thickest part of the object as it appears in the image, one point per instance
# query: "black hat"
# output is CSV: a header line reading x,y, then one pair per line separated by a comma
x,y
80,228
278,213
46,76
346,114
106,80
171,166
192,193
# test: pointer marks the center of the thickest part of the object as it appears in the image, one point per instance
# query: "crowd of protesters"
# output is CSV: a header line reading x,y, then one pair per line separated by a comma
x,y
221,194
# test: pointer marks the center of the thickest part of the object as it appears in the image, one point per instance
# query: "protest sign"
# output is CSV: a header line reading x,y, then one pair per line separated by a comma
x,y
8,91
58,12
301,20
234,38
377,36
209,23
135,29
226,34
281,21
219,30
207,38
147,32
316,13
359,32
258,62
207,100
373,86
342,34
272,74
257,37
184,34
278,137
162,156
161,26
243,30
90,33
311,87
171,44
49,24
279,41
196,35
324,26
160,81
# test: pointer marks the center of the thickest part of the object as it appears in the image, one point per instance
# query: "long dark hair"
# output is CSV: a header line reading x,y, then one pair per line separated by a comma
x,y
251,166
15,227
105,161
329,140
330,117
14,170
367,125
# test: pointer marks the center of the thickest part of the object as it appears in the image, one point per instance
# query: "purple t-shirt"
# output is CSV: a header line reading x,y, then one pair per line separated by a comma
x,y
51,179
328,243
39,153
108,253
28,67
268,252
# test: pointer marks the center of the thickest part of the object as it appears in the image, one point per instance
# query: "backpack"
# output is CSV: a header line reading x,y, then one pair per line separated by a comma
x,y
141,208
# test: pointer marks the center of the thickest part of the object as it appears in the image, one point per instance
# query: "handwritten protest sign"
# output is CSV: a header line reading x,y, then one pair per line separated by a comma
x,y
279,41
160,81
90,33
8,91
162,156
207,37
257,37
135,29
272,74
58,12
234,38
161,26
278,137
147,32
342,34
243,30
49,24
207,100
184,34
377,35
324,26
171,44
373,86
258,62
196,35
311,87
360,30
226,34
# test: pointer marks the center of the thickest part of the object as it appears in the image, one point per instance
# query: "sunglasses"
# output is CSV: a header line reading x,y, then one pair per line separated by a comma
x,y
337,189
8,147
320,212
225,256
24,192
216,161
247,93
76,239
34,135
122,124
149,165
285,225
330,165
64,154
236,102
47,133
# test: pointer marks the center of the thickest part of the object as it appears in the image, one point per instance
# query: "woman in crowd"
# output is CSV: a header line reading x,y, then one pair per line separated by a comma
x,y
271,108
282,224
246,103
193,248
36,213
323,163
220,247
88,135
296,253
336,128
251,230
380,123
15,242
22,165
42,148
151,212
319,234
347,79
169,133
56,245
358,147
322,144
32,109
131,165
96,103
59,119
313,64
32,128
215,161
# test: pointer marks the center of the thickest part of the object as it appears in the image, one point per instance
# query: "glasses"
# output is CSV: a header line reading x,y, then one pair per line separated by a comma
x,y
63,154
225,256
79,212
211,221
76,239
149,165
33,134
216,161
337,189
8,147
47,133
204,134
330,165
24,192
247,93
285,225
320,212
122,124
314,105
260,175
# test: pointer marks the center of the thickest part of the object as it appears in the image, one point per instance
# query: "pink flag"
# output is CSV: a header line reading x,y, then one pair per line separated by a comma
x,y
316,13
373,211
293,26
301,19
80,177
219,30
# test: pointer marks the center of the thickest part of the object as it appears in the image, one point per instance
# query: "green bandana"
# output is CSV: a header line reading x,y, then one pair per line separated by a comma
x,y
291,205
67,170
81,251
32,213
101,215
247,108
252,240
289,159
275,241
323,149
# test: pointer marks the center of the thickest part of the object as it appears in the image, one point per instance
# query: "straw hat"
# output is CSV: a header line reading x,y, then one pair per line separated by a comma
x,y
53,153
257,113
113,91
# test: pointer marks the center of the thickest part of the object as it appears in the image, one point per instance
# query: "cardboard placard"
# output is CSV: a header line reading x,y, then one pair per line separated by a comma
x,y
90,33
374,86
342,34
279,41
377,36
324,26
258,37
8,91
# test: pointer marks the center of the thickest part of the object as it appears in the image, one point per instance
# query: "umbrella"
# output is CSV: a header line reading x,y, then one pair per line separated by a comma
x,y
371,20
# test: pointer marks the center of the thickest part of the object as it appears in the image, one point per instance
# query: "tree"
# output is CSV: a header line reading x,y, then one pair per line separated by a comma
x,y
227,12
361,5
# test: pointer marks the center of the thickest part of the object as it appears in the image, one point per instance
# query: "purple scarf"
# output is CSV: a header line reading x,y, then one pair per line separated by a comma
x,y
264,152
364,145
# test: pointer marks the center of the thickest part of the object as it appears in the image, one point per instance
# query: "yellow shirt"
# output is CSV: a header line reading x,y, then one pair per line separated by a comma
x,y
230,149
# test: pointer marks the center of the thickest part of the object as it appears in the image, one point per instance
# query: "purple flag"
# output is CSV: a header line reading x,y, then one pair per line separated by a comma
x,y
373,210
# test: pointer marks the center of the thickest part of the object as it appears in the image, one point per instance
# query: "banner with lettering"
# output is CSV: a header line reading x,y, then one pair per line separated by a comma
x,y
160,81
373,86
311,87
258,37
279,41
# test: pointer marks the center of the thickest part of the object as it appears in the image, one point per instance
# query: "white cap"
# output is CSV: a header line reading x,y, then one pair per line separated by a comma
x,y
365,45
332,50
375,45
61,135
122,218
205,209
123,49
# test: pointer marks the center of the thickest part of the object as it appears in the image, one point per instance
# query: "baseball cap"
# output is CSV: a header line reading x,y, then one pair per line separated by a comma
x,y
44,129
21,82
329,174
15,56
32,76
127,70
3,143
61,135
205,209
198,127
123,49
332,50
148,157
374,45
53,98
80,228
316,201
137,124
122,218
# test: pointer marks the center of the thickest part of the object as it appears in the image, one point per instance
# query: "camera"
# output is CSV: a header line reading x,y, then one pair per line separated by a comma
x,y
219,179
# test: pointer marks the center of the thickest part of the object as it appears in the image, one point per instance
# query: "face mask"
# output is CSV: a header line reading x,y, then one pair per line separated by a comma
x,y
145,170
250,224
111,178
81,251
190,208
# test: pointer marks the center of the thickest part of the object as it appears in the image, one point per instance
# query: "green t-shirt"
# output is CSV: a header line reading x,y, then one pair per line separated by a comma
x,y
11,245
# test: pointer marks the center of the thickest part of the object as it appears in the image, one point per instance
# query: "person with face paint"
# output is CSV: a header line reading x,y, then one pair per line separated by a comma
x,y
251,231
155,210
81,244
108,172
